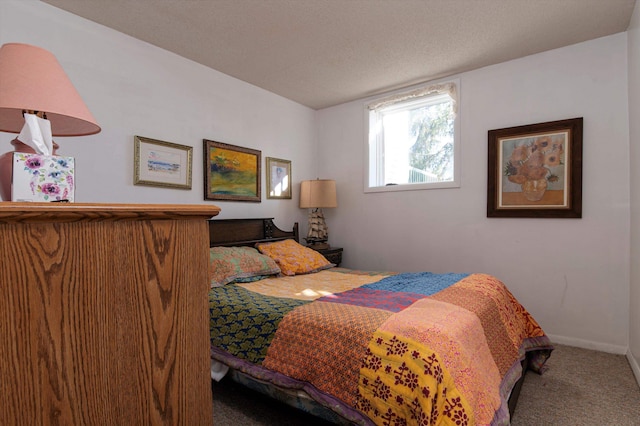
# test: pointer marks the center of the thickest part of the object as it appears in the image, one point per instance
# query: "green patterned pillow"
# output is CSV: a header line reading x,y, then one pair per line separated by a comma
x,y
228,264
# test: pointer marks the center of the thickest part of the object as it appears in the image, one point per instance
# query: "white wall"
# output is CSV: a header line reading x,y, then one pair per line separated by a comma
x,y
571,274
633,34
134,88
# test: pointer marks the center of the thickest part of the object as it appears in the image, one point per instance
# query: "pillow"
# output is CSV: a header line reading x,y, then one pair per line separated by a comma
x,y
294,258
228,264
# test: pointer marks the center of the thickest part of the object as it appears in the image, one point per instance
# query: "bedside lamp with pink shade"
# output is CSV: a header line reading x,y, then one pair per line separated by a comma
x,y
37,101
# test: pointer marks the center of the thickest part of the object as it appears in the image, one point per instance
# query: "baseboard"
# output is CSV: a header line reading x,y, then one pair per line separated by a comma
x,y
634,366
588,344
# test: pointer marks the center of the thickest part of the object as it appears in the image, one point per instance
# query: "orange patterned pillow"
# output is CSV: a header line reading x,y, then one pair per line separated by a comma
x,y
294,258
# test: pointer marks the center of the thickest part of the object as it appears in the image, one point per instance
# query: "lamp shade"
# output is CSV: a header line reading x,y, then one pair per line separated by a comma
x,y
31,79
318,194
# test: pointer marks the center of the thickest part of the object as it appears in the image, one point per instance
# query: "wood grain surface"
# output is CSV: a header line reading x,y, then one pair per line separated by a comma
x,y
104,319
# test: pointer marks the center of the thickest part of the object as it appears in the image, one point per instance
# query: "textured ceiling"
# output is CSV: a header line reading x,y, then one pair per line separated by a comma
x,y
322,53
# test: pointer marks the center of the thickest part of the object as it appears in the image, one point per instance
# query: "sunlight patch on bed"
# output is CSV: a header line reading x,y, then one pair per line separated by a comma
x,y
308,292
310,286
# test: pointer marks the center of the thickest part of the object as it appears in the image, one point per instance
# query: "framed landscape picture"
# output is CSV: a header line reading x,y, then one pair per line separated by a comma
x,y
231,173
160,163
536,170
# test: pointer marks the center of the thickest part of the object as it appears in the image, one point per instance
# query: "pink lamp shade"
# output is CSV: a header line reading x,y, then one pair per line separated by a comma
x,y
31,79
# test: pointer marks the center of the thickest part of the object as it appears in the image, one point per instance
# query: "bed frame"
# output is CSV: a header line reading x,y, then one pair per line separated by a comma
x,y
248,232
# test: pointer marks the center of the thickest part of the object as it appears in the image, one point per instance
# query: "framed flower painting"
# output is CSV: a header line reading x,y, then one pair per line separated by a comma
x,y
536,170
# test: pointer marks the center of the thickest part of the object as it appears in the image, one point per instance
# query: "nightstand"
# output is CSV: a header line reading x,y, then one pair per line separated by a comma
x,y
333,254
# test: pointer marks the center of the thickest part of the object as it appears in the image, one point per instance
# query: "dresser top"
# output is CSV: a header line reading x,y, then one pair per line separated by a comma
x,y
12,212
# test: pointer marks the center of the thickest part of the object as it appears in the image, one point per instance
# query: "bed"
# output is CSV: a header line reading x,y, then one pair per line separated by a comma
x,y
365,347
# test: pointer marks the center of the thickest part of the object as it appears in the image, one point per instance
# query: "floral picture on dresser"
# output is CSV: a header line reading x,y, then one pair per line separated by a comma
x,y
536,170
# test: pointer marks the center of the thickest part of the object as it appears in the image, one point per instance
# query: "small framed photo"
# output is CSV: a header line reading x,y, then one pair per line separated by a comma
x,y
231,173
160,163
536,170
278,178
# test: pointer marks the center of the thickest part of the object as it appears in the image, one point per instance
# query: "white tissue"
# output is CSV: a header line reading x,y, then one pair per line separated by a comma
x,y
218,370
36,133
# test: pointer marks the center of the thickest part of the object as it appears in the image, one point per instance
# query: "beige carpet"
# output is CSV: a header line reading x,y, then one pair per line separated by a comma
x,y
581,387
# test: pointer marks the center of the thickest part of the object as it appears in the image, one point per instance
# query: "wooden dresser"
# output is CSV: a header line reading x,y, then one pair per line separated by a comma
x,y
104,314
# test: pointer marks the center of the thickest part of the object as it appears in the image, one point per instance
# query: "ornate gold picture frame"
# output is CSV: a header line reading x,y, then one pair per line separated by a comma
x,y
278,178
160,163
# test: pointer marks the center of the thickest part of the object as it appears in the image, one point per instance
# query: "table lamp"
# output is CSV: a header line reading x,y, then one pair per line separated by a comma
x,y
37,101
316,195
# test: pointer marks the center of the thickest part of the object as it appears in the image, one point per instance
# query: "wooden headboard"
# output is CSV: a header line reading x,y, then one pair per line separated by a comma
x,y
247,232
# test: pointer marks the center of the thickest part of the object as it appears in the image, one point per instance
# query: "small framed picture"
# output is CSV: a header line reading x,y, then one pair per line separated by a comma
x,y
231,173
160,163
536,170
278,178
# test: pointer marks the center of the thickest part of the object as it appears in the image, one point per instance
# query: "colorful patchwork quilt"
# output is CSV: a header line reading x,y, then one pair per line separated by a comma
x,y
382,348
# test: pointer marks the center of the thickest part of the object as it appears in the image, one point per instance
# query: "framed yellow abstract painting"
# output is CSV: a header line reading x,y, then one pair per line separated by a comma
x,y
231,173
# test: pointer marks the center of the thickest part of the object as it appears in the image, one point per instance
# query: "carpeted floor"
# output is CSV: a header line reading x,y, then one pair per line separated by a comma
x,y
581,387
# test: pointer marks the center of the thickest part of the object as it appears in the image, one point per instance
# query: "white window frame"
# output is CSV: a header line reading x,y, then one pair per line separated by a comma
x,y
450,87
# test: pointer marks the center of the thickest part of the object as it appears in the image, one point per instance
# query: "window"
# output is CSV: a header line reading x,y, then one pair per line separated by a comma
x,y
413,140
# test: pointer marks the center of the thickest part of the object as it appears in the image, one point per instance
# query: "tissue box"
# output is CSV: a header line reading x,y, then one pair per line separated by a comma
x,y
38,177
